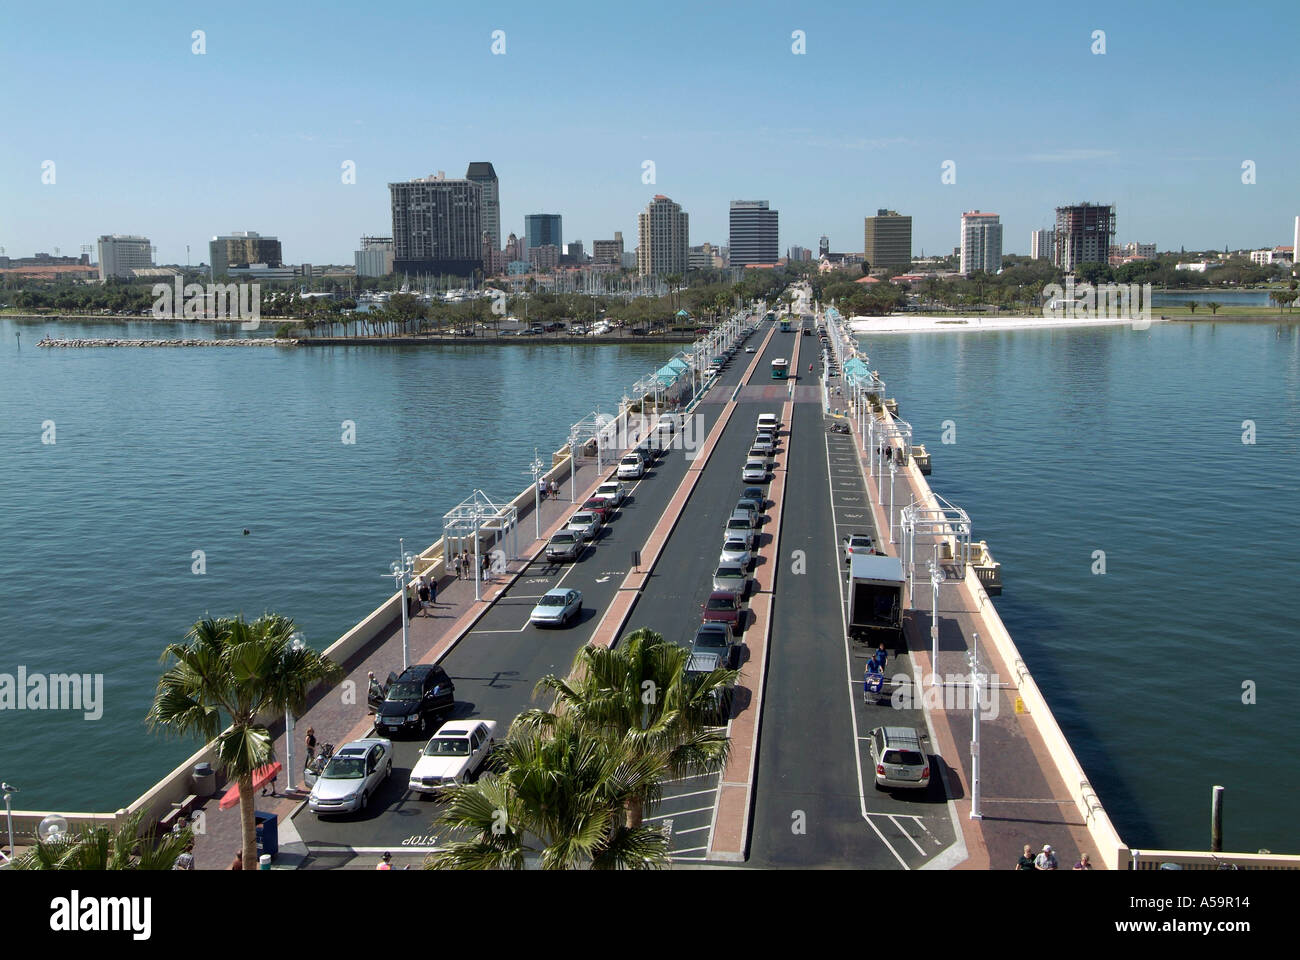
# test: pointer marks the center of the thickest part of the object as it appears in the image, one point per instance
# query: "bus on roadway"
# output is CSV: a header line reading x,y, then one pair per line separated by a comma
x,y
780,369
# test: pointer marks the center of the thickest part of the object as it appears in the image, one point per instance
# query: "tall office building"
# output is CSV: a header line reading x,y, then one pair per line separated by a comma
x,y
437,226
823,246
1295,243
608,252
753,233
981,242
663,239
375,258
542,230
799,254
1041,244
242,249
887,240
120,255
1083,233
485,176
573,251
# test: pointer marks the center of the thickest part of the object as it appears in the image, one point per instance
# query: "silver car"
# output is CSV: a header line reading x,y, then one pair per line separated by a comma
x,y
899,758
557,608
730,577
765,442
735,550
755,471
352,775
586,523
565,545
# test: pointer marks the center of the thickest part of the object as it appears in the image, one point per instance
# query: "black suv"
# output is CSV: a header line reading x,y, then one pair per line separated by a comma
x,y
417,698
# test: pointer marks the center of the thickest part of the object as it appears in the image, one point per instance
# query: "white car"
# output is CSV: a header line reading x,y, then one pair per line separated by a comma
x,y
755,471
765,442
735,550
856,543
352,775
611,490
557,608
749,349
586,523
453,755
631,467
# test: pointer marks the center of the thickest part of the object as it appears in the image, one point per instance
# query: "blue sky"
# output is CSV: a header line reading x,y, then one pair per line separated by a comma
x,y
148,137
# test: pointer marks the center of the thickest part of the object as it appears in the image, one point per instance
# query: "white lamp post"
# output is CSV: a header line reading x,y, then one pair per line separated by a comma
x,y
537,468
295,645
9,791
892,471
401,573
936,577
975,730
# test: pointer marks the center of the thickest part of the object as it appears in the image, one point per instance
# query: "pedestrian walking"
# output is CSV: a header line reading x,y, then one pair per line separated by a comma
x,y
555,489
1046,860
1026,861
311,743
464,563
238,862
541,489
433,591
483,564
423,592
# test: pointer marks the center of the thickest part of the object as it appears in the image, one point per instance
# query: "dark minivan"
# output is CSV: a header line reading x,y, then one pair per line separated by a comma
x,y
418,697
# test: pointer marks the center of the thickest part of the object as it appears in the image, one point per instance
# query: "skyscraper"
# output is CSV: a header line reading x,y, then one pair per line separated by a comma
x,y
120,255
242,248
437,226
542,230
375,258
663,240
1041,244
981,242
887,239
753,233
482,173
1083,233
608,252
823,246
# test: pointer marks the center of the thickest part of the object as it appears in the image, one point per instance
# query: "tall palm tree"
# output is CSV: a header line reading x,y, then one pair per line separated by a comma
x,y
555,792
229,673
640,698
102,848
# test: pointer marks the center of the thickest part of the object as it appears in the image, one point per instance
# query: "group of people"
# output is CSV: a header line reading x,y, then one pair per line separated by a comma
x,y
548,488
1046,859
462,565
891,453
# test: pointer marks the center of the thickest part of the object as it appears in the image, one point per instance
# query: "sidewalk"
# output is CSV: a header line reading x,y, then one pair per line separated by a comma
x,y
340,714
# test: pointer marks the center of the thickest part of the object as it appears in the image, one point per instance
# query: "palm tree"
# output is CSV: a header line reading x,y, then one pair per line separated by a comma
x,y
555,792
1191,305
640,698
1213,307
232,672
102,848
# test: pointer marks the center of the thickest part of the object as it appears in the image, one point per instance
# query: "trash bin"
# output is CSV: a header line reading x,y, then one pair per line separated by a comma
x,y
205,780
268,832
264,862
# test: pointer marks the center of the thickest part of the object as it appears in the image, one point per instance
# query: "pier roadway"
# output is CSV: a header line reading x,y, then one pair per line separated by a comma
x,y
497,664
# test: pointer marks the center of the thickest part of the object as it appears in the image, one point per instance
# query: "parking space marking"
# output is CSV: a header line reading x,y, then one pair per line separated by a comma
x,y
919,848
676,813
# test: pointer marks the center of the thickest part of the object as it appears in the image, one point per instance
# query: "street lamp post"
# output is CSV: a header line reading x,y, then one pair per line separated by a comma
x,y
295,645
537,468
975,730
9,791
892,470
401,572
573,466
936,577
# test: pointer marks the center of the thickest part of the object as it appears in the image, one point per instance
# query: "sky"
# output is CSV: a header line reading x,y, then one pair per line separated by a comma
x,y
145,136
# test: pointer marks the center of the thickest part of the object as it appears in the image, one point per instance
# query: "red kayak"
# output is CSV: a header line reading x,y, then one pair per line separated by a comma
x,y
261,777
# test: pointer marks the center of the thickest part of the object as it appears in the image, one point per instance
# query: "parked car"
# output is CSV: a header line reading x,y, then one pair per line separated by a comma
x,y
899,758
856,543
416,699
756,494
631,467
600,507
765,442
722,605
352,775
751,507
585,522
735,550
612,490
755,471
739,524
565,545
749,349
558,607
453,755
767,422
714,646
731,577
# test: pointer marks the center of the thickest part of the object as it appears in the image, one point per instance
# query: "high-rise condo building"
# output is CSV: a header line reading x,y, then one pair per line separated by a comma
x,y
1041,244
121,255
485,176
753,233
887,240
663,239
1083,233
542,230
823,246
437,226
981,242
375,258
608,252
242,249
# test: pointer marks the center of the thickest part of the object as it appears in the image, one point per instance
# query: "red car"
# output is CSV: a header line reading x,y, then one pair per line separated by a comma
x,y
601,507
722,605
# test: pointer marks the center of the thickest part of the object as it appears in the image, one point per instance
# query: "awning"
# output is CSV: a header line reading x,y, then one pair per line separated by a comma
x,y
261,777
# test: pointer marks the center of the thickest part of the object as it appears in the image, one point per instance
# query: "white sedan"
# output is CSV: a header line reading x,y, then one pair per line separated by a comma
x,y
735,550
749,349
453,755
755,471
612,490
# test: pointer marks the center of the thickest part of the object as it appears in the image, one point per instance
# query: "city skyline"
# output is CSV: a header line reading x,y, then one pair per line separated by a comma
x,y
808,137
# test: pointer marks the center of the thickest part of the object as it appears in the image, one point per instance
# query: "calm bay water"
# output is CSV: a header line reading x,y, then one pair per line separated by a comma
x,y
1073,441
1068,441
162,452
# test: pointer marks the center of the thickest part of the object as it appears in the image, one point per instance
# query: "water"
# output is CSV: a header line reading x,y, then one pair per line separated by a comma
x,y
1074,441
1229,298
162,452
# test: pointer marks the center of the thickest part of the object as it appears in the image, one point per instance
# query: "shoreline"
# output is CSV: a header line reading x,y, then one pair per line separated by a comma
x,y
950,324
